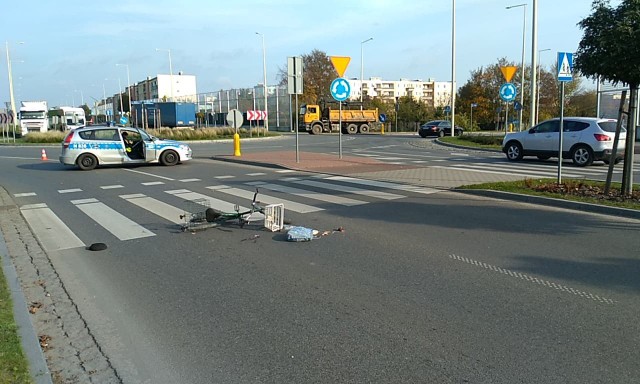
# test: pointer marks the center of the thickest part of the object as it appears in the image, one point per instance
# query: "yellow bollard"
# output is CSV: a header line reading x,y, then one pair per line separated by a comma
x,y
382,129
236,145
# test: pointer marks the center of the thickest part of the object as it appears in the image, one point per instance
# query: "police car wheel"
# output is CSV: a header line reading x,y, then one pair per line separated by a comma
x,y
169,158
87,162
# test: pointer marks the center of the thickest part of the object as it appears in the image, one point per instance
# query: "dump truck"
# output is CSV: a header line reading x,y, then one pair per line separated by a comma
x,y
316,120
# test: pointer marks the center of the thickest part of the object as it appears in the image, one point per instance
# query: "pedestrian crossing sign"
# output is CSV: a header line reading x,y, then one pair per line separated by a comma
x,y
565,66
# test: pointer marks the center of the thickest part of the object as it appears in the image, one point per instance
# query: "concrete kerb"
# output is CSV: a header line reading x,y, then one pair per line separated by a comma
x,y
551,202
26,330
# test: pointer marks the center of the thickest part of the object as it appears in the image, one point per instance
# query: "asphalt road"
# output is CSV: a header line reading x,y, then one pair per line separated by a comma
x,y
435,287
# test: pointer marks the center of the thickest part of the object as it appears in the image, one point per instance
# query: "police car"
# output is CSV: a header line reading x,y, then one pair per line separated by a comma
x,y
89,147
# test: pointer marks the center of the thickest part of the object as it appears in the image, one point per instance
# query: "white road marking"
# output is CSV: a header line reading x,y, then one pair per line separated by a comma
x,y
149,174
531,279
256,174
153,183
50,231
311,194
119,225
157,207
224,177
69,190
285,171
266,199
189,180
112,186
26,194
384,184
348,189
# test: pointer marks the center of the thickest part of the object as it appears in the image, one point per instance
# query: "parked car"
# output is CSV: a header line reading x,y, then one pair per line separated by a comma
x,y
438,128
584,140
89,147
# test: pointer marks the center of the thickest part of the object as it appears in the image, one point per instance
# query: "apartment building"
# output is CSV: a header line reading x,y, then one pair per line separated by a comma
x,y
434,93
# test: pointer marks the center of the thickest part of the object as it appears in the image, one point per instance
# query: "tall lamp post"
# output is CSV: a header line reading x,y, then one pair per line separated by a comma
x,y
128,84
538,87
453,70
170,68
362,69
12,99
264,74
534,61
524,33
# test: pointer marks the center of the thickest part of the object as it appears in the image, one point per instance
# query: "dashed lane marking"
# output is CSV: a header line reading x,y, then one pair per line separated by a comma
x,y
26,194
535,280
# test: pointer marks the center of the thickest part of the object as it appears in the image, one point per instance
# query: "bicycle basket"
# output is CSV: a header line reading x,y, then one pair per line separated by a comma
x,y
274,217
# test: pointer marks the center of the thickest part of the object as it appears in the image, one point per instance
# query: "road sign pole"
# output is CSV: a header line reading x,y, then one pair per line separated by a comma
x,y
506,117
560,132
340,130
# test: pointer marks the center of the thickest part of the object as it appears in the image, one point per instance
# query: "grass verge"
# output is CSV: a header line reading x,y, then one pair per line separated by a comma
x,y
475,141
585,191
14,367
180,134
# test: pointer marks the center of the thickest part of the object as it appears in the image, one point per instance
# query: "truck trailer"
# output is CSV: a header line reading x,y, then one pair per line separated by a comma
x,y
316,120
33,117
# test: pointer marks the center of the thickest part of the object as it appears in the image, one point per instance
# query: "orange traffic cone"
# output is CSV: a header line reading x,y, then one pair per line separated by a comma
x,y
44,155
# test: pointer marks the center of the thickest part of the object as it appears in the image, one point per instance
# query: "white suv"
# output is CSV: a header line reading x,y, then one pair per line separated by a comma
x,y
584,140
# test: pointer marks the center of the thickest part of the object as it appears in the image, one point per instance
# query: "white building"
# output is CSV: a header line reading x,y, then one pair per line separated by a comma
x,y
178,87
434,93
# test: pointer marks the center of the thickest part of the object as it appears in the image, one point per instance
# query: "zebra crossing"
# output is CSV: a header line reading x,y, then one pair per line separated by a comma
x,y
496,165
301,195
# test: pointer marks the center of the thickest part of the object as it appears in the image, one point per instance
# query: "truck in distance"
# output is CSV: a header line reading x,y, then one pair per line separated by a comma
x,y
316,120
33,117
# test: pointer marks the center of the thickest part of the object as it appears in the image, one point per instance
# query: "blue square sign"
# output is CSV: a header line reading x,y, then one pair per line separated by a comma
x,y
565,66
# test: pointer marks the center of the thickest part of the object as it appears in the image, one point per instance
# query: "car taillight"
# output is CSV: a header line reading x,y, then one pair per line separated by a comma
x,y
67,140
601,137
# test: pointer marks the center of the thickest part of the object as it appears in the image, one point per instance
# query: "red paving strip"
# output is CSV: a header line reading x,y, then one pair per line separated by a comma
x,y
315,162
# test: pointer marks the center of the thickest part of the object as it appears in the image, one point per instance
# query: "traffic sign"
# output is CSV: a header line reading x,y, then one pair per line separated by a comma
x,y
447,109
508,72
124,120
508,92
517,106
256,115
565,66
234,118
340,89
382,117
340,63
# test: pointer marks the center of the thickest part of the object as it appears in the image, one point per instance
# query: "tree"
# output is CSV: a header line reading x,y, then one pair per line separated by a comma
x,y
609,50
317,77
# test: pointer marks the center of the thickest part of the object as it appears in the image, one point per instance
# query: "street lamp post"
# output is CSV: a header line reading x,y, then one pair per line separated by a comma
x,y
12,99
128,84
538,87
453,70
362,69
170,68
524,33
534,61
264,74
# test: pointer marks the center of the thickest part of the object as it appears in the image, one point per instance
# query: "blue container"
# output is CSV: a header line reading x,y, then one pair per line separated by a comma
x,y
174,114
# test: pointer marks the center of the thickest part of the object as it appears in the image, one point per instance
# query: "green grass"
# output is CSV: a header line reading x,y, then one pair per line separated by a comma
x,y
475,141
585,191
14,368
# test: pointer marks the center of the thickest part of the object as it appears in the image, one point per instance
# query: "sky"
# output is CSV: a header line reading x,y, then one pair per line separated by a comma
x,y
65,51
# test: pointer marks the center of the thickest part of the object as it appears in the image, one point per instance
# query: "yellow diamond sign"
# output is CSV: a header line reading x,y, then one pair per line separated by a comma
x,y
340,63
508,73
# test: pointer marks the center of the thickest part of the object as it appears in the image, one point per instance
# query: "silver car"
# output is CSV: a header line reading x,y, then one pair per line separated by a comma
x,y
91,146
584,140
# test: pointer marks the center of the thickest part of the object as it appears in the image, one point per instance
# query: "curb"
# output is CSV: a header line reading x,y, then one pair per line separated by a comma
x,y
550,202
26,331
